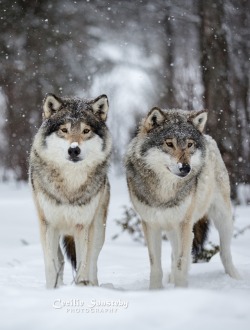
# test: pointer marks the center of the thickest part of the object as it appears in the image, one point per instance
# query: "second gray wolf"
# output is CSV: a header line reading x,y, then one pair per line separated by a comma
x,y
69,163
176,176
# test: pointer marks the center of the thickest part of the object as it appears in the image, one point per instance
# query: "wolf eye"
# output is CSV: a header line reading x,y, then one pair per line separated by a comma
x,y
190,144
86,131
64,130
170,144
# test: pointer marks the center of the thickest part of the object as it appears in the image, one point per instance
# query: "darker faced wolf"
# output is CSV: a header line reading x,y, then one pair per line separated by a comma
x,y
176,177
69,161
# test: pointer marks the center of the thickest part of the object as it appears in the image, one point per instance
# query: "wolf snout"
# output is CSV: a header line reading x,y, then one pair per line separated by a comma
x,y
74,152
184,169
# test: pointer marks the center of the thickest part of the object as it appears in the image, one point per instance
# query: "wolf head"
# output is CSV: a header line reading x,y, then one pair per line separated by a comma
x,y
173,139
74,129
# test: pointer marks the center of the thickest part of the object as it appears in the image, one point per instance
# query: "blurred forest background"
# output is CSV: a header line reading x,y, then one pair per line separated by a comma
x,y
187,54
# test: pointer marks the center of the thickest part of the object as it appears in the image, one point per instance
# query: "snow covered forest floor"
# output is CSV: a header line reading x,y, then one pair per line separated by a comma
x,y
212,301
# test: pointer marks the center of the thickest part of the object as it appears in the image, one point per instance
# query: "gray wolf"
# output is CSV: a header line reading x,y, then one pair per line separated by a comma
x,y
69,162
176,176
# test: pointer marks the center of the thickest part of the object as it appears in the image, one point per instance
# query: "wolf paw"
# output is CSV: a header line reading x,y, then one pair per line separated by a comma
x,y
171,278
84,283
234,274
156,285
180,281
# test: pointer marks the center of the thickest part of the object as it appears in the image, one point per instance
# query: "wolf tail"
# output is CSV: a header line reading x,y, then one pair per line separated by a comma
x,y
200,231
69,246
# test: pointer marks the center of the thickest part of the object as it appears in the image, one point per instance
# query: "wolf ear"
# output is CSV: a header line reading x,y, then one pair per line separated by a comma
x,y
51,105
155,118
100,106
199,119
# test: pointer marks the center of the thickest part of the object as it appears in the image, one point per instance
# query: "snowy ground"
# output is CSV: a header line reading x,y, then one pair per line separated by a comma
x,y
212,301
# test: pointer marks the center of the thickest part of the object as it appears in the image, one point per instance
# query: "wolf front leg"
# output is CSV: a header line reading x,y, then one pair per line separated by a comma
x,y
173,239
154,242
50,244
184,241
81,245
97,237
61,265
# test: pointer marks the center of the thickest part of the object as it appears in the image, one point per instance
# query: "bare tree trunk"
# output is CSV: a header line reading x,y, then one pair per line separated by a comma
x,y
215,69
240,74
169,99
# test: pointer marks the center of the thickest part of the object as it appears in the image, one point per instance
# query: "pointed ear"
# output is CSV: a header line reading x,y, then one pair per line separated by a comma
x,y
199,119
154,118
100,106
51,105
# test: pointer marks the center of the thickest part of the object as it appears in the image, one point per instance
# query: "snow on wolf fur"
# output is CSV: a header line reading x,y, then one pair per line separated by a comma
x,y
69,161
176,176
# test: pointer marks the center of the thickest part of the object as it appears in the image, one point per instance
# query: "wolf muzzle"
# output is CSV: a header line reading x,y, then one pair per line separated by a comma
x,y
184,169
74,153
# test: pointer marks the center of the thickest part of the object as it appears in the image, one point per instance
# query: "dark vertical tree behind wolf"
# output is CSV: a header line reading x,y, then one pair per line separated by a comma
x,y
34,60
225,87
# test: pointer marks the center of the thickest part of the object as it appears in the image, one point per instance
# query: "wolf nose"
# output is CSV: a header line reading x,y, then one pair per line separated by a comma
x,y
185,169
74,152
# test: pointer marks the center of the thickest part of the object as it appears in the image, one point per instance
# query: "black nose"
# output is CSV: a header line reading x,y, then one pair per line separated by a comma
x,y
74,152
185,169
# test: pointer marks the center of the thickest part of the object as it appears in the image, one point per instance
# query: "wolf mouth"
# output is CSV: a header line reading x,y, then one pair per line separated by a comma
x,y
179,175
75,160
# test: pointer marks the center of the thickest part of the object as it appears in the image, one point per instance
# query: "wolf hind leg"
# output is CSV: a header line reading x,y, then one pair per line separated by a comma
x,y
200,231
154,242
69,247
220,213
61,265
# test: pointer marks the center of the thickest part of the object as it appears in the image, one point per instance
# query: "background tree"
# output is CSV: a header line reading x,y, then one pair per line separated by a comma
x,y
224,94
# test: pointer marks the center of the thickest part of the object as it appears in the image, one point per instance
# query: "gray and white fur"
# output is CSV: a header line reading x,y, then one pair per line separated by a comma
x,y
69,163
176,176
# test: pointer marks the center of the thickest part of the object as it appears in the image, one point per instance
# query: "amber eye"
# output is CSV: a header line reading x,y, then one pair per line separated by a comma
x,y
190,144
86,131
170,144
64,130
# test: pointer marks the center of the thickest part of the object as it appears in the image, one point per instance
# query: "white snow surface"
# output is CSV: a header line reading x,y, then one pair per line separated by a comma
x,y
212,301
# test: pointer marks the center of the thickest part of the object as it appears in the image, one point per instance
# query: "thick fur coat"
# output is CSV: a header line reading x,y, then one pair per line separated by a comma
x,y
69,162
176,176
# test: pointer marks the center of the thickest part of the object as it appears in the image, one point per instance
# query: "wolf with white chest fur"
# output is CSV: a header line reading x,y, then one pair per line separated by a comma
x,y
69,162
176,176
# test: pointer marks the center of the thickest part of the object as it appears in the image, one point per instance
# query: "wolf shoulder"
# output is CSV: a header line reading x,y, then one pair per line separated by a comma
x,y
212,149
215,160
